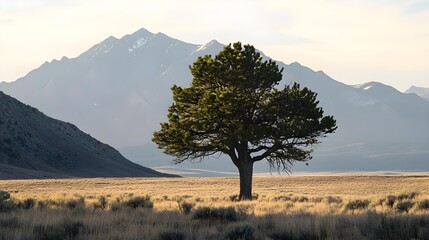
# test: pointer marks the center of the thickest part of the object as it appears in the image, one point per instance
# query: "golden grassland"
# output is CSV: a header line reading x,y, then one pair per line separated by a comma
x,y
220,186
285,207
219,190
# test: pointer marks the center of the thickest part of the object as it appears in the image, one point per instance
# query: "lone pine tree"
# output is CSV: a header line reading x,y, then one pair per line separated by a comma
x,y
232,107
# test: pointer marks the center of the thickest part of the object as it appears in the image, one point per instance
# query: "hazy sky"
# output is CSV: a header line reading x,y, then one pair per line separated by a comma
x,y
352,41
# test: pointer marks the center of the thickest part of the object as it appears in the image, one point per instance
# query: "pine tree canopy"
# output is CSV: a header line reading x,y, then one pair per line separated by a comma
x,y
234,106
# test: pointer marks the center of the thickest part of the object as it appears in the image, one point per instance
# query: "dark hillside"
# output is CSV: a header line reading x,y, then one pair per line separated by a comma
x,y
33,144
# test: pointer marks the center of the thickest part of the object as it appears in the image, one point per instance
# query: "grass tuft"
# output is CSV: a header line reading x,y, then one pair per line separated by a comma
x,y
357,204
226,214
423,205
238,231
404,206
139,202
171,235
185,207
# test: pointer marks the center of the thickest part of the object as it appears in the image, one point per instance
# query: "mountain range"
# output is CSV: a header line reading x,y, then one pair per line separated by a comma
x,y
119,92
419,91
33,145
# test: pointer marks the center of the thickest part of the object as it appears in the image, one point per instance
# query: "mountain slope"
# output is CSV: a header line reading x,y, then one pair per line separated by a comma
x,y
119,91
419,91
130,77
34,145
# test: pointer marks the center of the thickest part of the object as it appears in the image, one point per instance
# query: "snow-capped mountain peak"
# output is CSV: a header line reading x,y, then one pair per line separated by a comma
x,y
140,42
105,46
364,86
208,45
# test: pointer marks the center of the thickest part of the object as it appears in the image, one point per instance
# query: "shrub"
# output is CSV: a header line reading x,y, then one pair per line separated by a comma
x,y
357,204
408,196
4,196
423,205
9,223
171,235
185,207
404,206
299,199
139,202
75,203
221,213
423,233
330,199
65,230
102,203
234,198
6,206
29,203
242,231
42,204
255,196
281,198
289,235
281,235
102,200
115,206
244,209
288,205
390,200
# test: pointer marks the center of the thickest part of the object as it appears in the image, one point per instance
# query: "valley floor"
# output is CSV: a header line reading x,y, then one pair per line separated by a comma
x,y
345,186
295,207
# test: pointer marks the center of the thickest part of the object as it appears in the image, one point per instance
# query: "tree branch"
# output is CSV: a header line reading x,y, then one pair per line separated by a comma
x,y
267,153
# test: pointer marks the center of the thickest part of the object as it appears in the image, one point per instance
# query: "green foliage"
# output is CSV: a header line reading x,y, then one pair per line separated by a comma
x,y
139,202
227,214
233,107
240,231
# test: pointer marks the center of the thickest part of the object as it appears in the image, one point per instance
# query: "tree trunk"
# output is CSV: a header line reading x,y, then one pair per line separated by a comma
x,y
245,169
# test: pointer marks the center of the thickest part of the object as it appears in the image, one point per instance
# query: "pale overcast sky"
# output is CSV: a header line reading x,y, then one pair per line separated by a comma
x,y
352,41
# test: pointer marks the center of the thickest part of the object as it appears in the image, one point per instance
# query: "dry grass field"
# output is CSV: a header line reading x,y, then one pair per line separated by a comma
x,y
294,207
351,186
